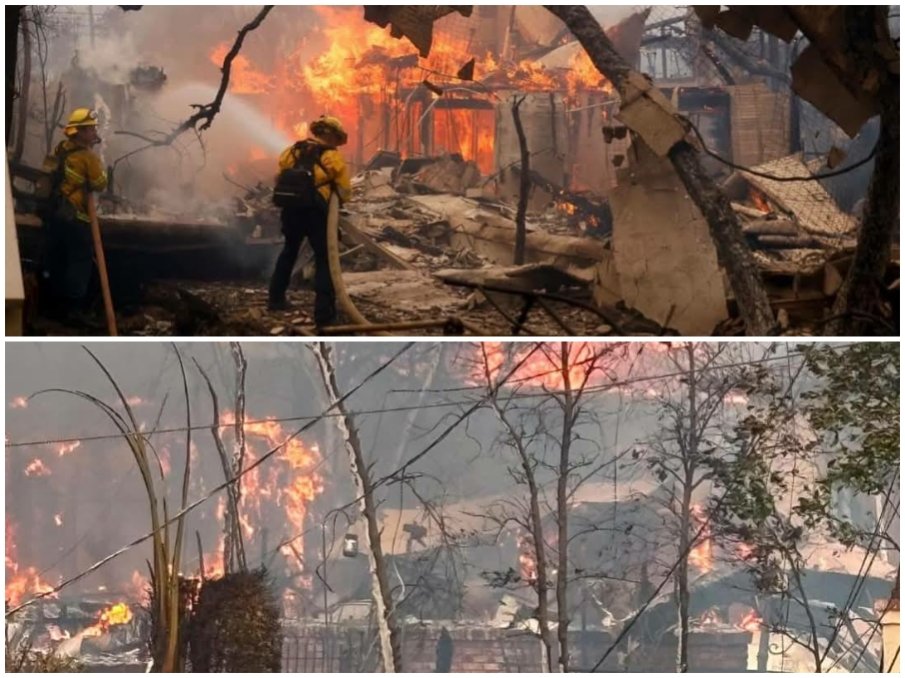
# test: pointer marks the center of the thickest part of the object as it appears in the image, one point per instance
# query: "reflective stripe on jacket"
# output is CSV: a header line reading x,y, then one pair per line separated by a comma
x,y
83,173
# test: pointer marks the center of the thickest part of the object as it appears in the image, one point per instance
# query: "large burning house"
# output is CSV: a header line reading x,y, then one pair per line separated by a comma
x,y
437,145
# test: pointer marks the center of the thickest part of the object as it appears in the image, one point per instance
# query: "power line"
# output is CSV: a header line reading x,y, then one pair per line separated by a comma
x,y
215,490
657,377
407,408
773,177
682,556
258,462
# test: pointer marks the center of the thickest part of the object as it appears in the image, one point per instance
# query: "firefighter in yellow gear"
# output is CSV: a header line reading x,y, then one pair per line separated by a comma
x,y
69,253
330,174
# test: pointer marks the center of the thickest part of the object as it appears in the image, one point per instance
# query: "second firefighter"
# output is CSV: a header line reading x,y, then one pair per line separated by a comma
x,y
311,170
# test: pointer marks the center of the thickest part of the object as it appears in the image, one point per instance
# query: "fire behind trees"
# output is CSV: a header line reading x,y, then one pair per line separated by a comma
x,y
727,494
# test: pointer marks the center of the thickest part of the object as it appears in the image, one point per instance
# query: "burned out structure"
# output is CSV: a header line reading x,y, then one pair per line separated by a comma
x,y
614,244
466,600
460,566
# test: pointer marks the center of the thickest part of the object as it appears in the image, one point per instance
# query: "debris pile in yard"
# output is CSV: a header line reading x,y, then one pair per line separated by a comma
x,y
103,635
429,239
802,241
789,221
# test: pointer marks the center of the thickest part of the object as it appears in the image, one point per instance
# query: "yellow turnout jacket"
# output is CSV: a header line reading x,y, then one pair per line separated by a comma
x,y
83,173
336,171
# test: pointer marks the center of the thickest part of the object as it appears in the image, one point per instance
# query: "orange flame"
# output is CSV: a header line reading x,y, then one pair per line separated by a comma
x,y
19,402
701,555
759,200
115,615
751,622
37,468
243,77
300,461
65,448
20,582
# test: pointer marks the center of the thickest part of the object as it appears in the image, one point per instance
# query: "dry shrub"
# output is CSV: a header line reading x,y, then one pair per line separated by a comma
x,y
235,626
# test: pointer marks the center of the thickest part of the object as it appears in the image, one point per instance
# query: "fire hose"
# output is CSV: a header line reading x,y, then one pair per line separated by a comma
x,y
343,299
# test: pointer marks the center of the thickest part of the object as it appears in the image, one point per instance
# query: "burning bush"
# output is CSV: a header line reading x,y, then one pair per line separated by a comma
x,y
235,625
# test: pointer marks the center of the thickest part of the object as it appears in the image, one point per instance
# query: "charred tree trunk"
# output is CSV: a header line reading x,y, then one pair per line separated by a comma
x,y
13,16
540,556
682,595
725,229
562,510
22,122
860,297
388,633
689,457
239,452
524,184
537,535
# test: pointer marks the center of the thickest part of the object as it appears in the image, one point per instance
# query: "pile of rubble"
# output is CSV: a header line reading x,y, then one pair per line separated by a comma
x,y
431,239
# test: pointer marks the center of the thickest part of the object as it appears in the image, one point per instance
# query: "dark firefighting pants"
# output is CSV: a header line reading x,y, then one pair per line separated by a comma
x,y
69,262
299,224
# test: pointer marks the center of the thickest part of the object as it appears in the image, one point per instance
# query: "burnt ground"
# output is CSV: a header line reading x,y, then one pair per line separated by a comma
x,y
191,308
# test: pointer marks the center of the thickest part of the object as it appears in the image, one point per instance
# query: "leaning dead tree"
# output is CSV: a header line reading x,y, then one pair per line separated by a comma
x,y
388,632
653,118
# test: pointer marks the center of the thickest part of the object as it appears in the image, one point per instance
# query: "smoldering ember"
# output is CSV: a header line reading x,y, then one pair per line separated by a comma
x,y
452,507
493,170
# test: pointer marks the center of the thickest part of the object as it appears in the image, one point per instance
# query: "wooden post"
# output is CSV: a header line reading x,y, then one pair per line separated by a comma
x,y
101,265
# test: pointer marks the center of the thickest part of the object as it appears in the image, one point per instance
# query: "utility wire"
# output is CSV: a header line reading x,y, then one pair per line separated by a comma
x,y
656,377
215,490
773,177
406,408
682,556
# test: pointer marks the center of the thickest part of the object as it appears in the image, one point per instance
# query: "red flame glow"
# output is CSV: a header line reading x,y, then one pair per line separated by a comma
x,y
751,622
37,468
701,555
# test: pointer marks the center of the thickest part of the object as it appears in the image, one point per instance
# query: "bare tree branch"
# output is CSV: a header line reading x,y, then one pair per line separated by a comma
x,y
204,114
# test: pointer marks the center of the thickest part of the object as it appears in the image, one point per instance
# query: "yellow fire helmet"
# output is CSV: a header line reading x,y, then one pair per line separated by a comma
x,y
81,117
327,123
